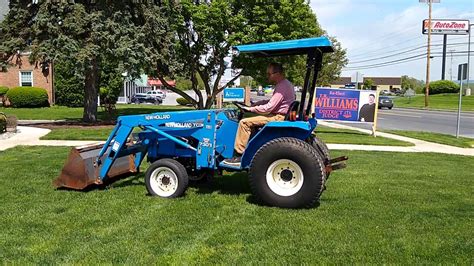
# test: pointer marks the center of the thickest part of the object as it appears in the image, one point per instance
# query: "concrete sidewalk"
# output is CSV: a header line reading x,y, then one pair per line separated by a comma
x,y
30,136
420,145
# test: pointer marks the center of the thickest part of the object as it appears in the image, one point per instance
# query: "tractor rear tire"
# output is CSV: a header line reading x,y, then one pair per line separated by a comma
x,y
320,147
287,173
166,178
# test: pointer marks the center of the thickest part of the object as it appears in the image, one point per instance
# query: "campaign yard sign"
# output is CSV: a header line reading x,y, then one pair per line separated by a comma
x,y
234,95
345,105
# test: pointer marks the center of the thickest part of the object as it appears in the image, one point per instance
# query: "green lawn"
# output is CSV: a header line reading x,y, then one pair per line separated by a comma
x,y
345,136
436,137
385,208
439,101
66,113
85,133
329,135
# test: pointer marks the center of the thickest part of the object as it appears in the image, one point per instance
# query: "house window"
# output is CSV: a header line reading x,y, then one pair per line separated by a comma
x,y
26,78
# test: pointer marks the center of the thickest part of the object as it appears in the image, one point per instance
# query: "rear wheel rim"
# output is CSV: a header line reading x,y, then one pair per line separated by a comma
x,y
284,177
163,181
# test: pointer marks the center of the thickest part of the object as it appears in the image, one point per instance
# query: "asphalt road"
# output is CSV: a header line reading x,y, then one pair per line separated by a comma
x,y
417,120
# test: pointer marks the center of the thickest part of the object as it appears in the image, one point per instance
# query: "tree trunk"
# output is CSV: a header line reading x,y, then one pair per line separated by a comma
x,y
210,101
91,93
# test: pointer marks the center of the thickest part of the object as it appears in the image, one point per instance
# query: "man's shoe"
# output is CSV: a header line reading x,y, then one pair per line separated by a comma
x,y
234,161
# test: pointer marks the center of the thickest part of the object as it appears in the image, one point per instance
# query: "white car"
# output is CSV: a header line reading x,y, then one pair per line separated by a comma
x,y
156,93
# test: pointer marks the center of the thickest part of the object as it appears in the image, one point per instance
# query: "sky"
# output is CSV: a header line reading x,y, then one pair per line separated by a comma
x,y
3,8
370,29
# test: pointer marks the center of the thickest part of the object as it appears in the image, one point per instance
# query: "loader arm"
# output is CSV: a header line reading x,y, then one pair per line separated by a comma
x,y
121,154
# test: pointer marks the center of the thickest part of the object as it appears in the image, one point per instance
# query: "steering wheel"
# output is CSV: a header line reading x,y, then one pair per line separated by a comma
x,y
241,110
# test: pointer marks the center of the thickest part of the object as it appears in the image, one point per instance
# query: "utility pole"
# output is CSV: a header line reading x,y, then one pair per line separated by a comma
x,y
469,57
427,91
428,52
443,67
451,67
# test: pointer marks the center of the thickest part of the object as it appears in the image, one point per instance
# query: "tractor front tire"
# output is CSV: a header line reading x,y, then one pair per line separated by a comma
x,y
287,173
166,178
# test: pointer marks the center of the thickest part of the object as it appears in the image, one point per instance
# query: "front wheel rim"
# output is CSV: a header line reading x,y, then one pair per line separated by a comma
x,y
284,177
164,181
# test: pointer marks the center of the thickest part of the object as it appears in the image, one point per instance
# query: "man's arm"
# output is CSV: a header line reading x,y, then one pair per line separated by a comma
x,y
276,99
261,102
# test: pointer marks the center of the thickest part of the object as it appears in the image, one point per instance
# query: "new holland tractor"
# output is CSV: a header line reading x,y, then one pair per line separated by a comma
x,y
288,165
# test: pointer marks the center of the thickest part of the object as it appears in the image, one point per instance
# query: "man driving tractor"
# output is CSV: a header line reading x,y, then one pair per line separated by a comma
x,y
274,109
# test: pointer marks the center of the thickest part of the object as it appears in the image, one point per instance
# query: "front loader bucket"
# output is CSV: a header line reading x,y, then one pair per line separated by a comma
x,y
80,170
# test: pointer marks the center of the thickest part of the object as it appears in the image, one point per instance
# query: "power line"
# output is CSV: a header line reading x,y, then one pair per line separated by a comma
x,y
404,52
396,50
398,63
402,60
382,49
388,62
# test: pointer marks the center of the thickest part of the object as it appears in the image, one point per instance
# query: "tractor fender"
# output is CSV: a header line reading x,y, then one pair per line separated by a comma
x,y
273,130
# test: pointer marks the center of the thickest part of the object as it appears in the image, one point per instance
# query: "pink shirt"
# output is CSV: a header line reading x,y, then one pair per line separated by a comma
x,y
283,96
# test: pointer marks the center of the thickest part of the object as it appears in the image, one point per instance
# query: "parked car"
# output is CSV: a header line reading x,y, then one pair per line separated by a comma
x,y
350,86
144,98
385,101
156,93
397,91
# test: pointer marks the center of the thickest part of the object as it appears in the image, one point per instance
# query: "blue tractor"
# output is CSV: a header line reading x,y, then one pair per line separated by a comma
x,y
288,165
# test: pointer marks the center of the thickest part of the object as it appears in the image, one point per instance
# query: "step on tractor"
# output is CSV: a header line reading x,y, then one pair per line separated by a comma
x,y
288,164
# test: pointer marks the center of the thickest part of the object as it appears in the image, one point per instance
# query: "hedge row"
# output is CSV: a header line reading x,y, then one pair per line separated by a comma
x,y
3,90
3,123
443,86
183,101
28,97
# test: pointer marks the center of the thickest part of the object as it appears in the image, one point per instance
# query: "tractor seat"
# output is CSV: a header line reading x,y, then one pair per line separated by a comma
x,y
292,111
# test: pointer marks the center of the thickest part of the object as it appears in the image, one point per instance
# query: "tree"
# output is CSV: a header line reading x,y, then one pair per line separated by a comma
x,y
205,34
412,83
68,86
89,32
368,84
247,81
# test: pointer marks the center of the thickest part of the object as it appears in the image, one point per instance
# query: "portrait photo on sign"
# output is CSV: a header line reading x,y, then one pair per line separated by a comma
x,y
367,105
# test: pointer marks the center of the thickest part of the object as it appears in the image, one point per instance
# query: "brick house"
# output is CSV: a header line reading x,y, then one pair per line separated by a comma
x,y
24,74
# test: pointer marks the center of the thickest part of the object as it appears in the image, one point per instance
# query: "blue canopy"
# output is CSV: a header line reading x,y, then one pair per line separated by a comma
x,y
292,47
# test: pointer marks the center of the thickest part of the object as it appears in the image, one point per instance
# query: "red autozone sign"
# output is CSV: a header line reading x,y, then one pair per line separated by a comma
x,y
447,26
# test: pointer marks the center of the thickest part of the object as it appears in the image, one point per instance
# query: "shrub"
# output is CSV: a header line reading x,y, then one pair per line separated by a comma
x,y
3,90
443,86
183,101
28,97
3,123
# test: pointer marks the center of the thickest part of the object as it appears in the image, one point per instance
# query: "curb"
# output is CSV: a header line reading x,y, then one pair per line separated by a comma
x,y
435,110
